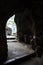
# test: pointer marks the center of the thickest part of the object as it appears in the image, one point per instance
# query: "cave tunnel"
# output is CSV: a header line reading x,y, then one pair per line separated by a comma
x,y
29,22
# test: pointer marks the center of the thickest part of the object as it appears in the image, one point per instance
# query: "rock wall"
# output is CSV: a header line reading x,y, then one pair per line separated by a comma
x,y
24,25
3,41
30,28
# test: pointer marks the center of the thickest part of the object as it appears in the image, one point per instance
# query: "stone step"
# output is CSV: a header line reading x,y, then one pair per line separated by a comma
x,y
11,40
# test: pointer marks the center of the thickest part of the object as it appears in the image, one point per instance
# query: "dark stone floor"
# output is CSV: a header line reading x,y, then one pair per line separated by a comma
x,y
17,50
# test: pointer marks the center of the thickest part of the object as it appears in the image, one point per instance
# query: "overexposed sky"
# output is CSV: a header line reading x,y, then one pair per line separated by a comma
x,y
10,23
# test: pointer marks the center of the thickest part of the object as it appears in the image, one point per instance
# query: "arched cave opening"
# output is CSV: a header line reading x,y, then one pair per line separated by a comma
x,y
19,48
15,40
11,29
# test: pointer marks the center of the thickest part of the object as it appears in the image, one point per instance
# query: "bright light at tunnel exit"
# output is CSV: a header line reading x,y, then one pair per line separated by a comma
x,y
11,23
